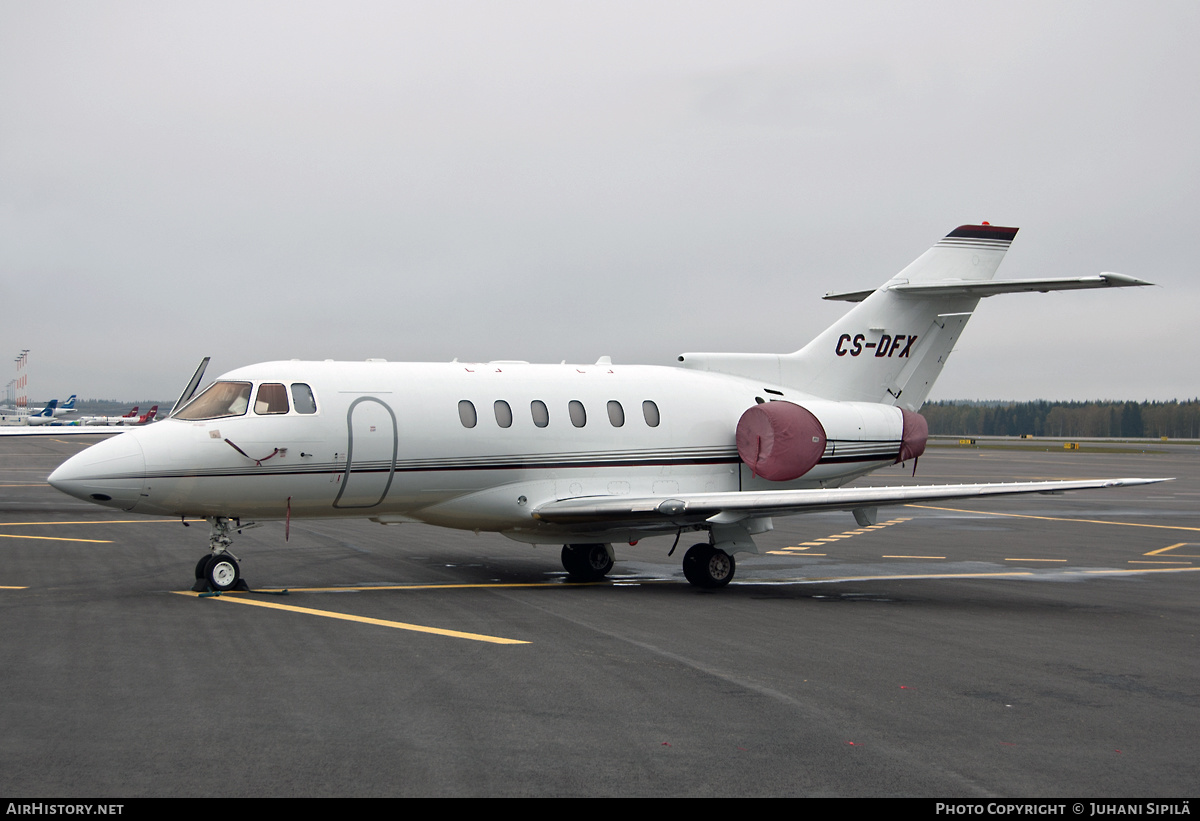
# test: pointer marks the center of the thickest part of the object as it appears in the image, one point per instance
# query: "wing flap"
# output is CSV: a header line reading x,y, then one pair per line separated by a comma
x,y
695,508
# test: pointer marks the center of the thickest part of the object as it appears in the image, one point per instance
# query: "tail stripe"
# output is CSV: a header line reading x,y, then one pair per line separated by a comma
x,y
955,242
995,232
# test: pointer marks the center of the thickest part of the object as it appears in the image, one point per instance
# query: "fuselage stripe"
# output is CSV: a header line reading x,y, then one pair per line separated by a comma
x,y
457,466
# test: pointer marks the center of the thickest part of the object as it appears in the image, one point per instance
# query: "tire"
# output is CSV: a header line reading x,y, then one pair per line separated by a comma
x,y
692,561
586,562
706,566
222,572
202,566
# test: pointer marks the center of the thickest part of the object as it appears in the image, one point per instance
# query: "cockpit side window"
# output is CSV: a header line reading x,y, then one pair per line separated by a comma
x,y
272,398
302,398
218,400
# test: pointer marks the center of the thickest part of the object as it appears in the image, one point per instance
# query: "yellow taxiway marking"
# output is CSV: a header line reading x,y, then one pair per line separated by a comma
x,y
1055,518
825,541
1005,574
1035,560
465,586
1172,547
1142,570
12,587
906,576
54,538
912,557
399,625
101,522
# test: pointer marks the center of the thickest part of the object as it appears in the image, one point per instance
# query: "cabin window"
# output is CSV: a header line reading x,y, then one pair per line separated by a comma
x,y
503,414
466,414
218,400
272,398
616,414
650,412
541,415
578,414
302,398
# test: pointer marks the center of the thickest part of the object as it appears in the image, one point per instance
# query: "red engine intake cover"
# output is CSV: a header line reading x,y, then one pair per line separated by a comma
x,y
780,440
912,440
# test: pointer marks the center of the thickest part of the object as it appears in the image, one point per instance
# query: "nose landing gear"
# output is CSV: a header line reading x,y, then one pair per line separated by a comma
x,y
218,571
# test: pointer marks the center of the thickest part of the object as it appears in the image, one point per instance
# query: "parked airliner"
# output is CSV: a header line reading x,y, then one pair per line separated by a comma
x,y
105,421
580,455
131,418
45,416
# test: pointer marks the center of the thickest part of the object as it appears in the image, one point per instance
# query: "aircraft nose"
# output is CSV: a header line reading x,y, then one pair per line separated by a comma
x,y
109,473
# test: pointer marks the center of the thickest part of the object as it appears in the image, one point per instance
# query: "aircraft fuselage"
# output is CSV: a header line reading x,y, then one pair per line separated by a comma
x,y
465,445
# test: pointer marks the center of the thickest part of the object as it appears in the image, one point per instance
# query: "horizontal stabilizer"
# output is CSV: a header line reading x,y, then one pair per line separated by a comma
x,y
696,508
976,288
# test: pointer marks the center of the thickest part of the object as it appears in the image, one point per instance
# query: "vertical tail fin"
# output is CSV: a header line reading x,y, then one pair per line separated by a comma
x,y
892,345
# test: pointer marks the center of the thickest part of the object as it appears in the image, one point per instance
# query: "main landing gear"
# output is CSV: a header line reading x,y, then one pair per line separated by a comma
x,y
218,571
703,565
587,562
707,566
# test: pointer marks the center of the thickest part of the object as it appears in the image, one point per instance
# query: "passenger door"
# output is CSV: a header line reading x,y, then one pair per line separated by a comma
x,y
373,440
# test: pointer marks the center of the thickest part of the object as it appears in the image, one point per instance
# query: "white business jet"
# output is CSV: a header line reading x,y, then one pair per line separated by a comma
x,y
580,455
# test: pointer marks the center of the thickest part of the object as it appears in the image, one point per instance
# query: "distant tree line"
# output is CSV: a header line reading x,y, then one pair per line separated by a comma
x,y
1175,419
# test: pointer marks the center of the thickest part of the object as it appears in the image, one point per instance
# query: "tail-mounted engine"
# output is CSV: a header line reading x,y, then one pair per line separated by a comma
x,y
781,441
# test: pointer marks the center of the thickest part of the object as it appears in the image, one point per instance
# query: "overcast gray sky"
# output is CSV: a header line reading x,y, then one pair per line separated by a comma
x,y
565,180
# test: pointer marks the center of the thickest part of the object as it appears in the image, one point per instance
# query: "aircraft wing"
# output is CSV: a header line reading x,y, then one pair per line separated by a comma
x,y
990,287
723,508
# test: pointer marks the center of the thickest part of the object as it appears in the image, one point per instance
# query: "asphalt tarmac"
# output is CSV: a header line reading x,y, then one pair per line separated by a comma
x,y
1041,646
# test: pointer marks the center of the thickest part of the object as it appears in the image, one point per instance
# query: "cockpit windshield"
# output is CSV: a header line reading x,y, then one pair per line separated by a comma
x,y
218,400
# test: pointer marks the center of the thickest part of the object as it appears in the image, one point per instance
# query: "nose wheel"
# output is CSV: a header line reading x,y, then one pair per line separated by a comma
x,y
218,570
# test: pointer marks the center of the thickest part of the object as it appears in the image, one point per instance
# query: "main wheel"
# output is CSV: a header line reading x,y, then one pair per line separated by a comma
x,y
706,566
586,562
222,572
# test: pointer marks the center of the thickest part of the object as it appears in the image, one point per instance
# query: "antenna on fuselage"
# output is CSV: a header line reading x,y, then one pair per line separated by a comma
x,y
190,390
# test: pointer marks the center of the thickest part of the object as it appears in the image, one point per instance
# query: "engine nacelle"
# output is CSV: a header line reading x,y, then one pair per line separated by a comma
x,y
781,441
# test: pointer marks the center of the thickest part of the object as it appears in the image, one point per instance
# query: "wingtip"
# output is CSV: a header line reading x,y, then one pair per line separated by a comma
x,y
1137,481
1116,280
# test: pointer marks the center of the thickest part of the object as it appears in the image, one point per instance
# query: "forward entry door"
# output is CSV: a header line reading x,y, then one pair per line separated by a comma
x,y
373,439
